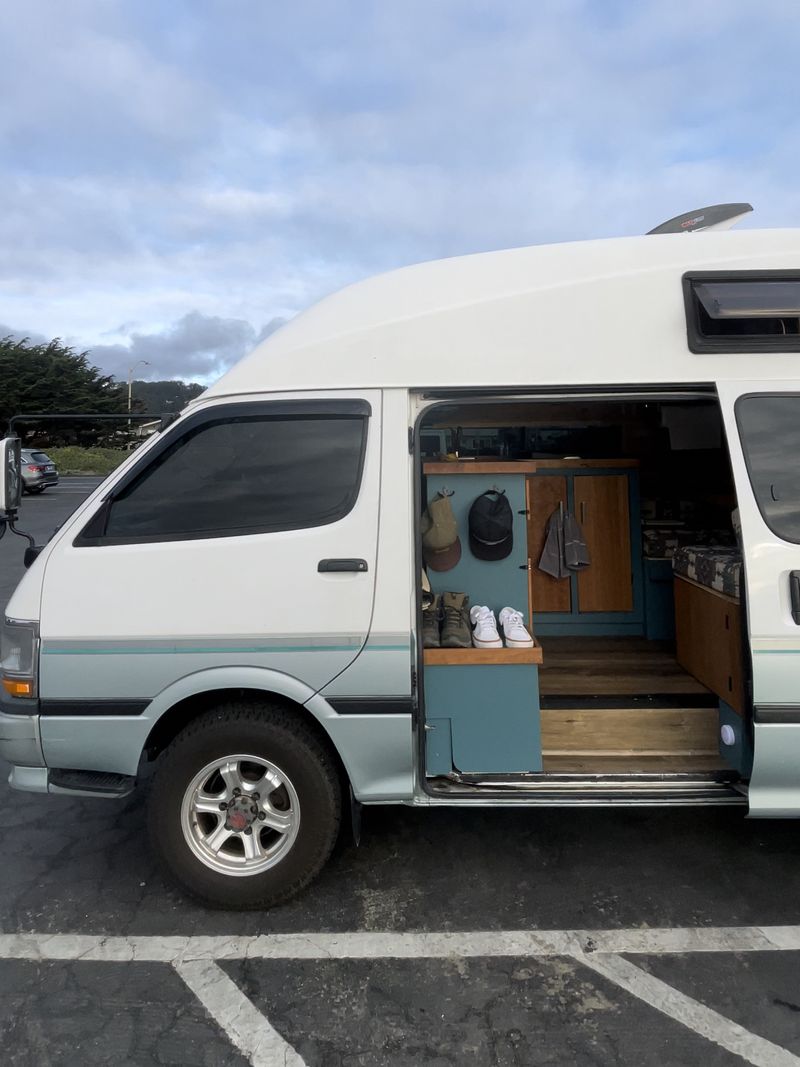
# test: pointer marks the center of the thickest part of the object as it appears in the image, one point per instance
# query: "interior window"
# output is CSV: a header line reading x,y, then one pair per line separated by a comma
x,y
770,430
243,475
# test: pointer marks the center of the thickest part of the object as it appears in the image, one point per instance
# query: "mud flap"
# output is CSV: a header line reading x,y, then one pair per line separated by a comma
x,y
355,818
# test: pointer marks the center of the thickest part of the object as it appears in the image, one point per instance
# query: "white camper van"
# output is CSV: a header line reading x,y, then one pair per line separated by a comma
x,y
272,600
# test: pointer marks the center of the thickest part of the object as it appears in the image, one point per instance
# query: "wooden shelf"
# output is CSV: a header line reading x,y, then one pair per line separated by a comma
x,y
575,464
461,657
469,466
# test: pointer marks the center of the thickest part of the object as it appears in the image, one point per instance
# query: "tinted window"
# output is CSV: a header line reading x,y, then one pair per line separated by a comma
x,y
244,475
40,457
770,430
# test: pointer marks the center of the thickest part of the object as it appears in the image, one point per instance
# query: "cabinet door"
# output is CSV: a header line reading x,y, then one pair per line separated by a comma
x,y
543,495
601,507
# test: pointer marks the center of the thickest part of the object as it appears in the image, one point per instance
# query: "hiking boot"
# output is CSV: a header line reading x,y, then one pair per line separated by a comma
x,y
456,631
431,623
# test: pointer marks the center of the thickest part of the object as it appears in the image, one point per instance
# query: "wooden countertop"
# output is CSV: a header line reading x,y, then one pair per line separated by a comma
x,y
460,657
520,466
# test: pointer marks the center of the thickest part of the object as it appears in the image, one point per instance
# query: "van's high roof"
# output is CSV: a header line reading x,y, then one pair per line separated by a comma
x,y
600,312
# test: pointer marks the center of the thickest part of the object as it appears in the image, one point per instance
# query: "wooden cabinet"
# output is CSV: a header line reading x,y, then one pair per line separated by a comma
x,y
601,507
606,596
544,495
708,631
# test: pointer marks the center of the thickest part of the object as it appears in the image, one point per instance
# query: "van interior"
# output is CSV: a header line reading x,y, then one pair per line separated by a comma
x,y
637,674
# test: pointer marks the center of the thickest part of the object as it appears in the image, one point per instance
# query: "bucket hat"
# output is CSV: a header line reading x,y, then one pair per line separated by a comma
x,y
441,547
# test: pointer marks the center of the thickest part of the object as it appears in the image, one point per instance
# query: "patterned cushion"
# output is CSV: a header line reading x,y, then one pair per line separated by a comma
x,y
717,568
662,541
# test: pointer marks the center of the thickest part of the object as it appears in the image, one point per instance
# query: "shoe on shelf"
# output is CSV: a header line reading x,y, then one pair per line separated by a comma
x,y
432,623
455,628
484,634
513,627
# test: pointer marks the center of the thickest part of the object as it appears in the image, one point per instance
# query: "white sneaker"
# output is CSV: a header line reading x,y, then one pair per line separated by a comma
x,y
484,634
514,629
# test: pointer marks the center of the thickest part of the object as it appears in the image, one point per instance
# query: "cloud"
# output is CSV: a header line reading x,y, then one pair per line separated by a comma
x,y
23,335
192,170
197,348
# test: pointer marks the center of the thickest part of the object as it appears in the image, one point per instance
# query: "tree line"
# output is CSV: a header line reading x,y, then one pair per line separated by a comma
x,y
52,378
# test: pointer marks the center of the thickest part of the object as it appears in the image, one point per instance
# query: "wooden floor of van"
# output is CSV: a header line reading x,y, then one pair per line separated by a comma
x,y
612,666
581,736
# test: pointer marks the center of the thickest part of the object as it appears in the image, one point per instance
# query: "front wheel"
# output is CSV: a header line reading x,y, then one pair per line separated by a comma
x,y
245,807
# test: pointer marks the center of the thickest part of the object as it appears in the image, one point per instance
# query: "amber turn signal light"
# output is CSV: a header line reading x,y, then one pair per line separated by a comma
x,y
17,688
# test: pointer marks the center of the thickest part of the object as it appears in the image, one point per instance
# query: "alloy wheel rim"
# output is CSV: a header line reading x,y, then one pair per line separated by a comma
x,y
240,815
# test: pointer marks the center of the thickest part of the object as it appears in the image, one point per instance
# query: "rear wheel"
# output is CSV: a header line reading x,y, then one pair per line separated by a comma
x,y
245,807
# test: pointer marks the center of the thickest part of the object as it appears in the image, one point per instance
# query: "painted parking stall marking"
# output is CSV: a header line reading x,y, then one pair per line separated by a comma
x,y
196,960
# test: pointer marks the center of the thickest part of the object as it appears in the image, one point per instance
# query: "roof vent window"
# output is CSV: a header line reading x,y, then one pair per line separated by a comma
x,y
731,312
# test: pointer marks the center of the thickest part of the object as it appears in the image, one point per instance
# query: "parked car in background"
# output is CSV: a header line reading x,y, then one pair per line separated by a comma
x,y
38,471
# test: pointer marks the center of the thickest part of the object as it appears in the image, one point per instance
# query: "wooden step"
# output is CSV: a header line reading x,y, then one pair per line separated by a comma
x,y
634,764
624,731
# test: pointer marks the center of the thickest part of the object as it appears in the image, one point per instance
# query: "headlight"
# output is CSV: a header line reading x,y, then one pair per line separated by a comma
x,y
19,654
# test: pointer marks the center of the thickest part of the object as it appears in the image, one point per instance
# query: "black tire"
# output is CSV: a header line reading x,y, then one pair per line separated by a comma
x,y
272,733
35,492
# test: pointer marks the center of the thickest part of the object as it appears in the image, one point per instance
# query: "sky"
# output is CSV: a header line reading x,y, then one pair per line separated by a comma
x,y
177,180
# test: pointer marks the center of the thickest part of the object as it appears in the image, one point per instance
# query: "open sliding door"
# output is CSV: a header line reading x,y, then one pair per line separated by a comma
x,y
762,422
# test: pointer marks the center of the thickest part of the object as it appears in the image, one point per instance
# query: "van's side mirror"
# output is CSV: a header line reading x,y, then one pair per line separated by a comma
x,y
31,553
10,475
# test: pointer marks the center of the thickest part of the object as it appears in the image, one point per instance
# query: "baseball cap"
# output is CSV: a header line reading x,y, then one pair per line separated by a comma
x,y
441,547
491,526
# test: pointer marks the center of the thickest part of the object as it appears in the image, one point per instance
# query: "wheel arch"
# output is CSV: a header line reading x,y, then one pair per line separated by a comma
x,y
186,700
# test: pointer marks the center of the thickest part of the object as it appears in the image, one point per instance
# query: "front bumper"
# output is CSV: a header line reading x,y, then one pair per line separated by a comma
x,y
20,743
40,481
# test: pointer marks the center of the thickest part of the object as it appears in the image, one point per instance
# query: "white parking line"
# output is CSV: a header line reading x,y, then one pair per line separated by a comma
x,y
195,959
690,1012
244,1024
413,945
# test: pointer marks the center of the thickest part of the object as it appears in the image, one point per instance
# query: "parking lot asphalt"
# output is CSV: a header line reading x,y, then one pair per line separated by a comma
x,y
486,936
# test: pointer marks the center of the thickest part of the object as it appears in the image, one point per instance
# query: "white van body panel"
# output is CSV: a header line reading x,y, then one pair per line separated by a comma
x,y
386,669
588,313
250,595
774,635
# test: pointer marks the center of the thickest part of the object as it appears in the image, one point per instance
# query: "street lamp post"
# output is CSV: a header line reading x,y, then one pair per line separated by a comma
x,y
139,362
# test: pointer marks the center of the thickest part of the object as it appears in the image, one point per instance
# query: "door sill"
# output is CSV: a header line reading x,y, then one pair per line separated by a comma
x,y
583,789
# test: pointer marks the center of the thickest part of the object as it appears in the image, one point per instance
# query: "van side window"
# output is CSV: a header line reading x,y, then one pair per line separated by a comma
x,y
741,311
244,474
769,427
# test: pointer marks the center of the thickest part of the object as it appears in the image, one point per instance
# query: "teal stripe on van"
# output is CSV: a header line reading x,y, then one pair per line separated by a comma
x,y
188,646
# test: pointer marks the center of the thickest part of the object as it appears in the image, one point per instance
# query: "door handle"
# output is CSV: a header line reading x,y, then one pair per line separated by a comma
x,y
794,594
331,566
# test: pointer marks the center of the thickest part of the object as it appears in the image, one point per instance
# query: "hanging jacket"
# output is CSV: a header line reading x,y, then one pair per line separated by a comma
x,y
564,546
552,560
576,554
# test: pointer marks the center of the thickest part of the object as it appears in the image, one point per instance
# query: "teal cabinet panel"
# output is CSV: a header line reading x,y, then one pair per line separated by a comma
x,y
659,600
493,712
438,747
498,583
